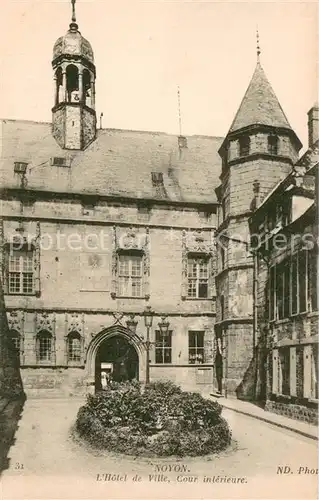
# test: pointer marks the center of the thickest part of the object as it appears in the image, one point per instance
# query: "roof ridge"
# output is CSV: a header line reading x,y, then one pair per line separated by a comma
x,y
113,129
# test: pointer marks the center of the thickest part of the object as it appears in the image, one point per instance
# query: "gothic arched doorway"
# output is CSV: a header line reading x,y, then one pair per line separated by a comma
x,y
117,356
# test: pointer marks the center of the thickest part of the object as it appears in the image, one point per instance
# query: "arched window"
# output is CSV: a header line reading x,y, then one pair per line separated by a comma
x,y
273,144
16,340
72,83
44,346
74,346
59,96
87,91
244,146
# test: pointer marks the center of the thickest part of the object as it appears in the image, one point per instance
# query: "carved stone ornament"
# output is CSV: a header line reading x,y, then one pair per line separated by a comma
x,y
74,323
45,321
16,321
199,241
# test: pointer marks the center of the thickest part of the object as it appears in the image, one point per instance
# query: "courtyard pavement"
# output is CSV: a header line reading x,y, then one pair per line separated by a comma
x,y
46,462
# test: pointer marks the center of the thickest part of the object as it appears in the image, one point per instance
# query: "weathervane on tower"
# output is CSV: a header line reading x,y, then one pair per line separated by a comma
x,y
258,45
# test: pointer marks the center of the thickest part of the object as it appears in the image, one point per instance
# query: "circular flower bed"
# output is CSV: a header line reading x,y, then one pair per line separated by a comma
x,y
162,420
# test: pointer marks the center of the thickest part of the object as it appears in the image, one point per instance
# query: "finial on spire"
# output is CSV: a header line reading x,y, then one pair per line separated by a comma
x,y
258,44
73,25
73,11
179,110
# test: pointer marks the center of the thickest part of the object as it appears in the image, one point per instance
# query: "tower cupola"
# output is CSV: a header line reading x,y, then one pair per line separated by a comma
x,y
74,117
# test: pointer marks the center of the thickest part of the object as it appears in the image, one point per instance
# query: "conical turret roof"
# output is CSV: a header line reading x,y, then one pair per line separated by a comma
x,y
260,105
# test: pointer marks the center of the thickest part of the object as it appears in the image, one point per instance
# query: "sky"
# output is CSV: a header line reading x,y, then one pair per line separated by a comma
x,y
144,50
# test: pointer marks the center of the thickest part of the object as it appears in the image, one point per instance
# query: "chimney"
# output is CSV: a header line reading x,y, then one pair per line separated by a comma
x,y
313,125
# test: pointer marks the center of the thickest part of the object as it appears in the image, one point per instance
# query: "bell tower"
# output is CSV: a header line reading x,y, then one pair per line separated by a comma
x,y
73,113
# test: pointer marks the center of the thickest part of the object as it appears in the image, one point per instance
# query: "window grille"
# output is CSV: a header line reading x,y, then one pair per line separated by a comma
x,y
21,272
44,346
197,272
130,275
74,347
163,347
196,347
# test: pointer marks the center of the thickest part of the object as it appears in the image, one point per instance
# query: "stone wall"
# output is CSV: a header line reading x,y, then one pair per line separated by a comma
x,y
77,285
298,412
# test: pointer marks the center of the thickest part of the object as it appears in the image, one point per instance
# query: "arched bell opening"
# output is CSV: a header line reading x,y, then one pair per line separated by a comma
x,y
72,83
87,88
59,91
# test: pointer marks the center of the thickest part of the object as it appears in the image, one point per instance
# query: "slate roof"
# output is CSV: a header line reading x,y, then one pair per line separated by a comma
x,y
260,105
118,163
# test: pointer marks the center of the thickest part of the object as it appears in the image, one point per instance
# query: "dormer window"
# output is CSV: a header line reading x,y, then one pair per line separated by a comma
x,y
158,183
157,179
273,144
60,161
20,167
244,146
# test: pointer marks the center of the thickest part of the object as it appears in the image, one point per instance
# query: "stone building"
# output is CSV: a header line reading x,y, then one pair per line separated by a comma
x,y
284,230
99,224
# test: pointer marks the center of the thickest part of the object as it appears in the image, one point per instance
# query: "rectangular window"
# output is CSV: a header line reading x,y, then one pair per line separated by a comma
x,y
273,144
244,146
163,347
44,348
294,288
302,279
286,280
130,275
272,292
197,272
21,272
195,347
280,291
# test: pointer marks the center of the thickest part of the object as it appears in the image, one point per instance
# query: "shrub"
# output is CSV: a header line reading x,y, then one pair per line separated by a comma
x,y
163,421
